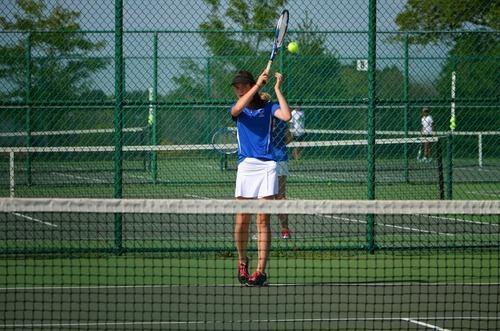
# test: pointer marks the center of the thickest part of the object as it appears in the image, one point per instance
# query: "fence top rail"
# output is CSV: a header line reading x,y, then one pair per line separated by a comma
x,y
202,147
302,31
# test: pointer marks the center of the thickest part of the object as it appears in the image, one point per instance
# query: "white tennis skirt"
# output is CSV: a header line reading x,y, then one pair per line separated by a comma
x,y
256,179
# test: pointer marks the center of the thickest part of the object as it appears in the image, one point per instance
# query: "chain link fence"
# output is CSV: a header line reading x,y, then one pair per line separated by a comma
x,y
65,105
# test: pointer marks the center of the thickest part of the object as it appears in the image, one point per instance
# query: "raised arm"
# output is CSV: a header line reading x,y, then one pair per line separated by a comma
x,y
283,113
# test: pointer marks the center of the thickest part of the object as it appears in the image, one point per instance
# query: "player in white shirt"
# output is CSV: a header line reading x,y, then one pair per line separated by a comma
x,y
299,129
427,130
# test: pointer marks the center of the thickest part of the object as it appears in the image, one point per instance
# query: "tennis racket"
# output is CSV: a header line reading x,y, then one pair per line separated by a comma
x,y
225,141
279,36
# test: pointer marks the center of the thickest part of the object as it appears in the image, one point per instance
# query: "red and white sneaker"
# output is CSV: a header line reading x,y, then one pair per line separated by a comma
x,y
258,279
243,272
285,234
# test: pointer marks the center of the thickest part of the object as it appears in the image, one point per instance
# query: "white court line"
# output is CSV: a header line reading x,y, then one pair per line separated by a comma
x,y
34,219
136,177
461,220
284,320
196,196
388,225
427,325
484,193
117,287
80,177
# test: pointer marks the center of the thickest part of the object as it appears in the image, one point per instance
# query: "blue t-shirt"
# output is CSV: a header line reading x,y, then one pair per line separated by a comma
x,y
254,132
279,140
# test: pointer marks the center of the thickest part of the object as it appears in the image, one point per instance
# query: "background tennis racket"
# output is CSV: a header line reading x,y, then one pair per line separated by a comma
x,y
279,36
225,141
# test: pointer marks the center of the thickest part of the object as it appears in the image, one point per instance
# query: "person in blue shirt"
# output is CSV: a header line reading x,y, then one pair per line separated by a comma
x,y
256,177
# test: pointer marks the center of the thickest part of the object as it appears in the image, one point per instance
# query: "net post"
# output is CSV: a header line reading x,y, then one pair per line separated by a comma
x,y
372,45
118,124
28,109
480,149
439,158
12,174
449,167
223,162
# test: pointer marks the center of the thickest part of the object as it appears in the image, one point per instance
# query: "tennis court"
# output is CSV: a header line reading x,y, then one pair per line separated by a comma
x,y
197,169
177,270
325,306
118,165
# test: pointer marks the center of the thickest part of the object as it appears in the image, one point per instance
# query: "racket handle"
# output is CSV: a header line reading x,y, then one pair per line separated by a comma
x,y
268,67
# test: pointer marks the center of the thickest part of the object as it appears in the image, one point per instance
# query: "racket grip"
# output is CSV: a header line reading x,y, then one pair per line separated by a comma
x,y
268,67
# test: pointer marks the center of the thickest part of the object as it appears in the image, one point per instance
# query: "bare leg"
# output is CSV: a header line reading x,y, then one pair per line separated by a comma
x,y
264,242
241,235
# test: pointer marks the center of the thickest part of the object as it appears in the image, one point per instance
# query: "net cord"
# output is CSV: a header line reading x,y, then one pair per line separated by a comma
x,y
216,206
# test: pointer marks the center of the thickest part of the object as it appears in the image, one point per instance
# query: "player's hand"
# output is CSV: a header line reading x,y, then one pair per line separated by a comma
x,y
279,81
262,80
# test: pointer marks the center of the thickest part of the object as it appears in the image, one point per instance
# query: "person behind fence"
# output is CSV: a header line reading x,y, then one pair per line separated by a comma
x,y
256,176
427,130
299,129
281,137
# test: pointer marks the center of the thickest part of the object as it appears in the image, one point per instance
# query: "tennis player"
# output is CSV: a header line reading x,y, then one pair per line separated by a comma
x,y
299,129
427,131
256,177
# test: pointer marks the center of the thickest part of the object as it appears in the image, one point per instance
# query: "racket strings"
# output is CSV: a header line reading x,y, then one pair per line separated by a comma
x,y
281,28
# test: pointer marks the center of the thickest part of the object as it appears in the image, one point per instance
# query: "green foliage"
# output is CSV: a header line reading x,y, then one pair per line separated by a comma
x,y
475,58
61,65
314,72
433,16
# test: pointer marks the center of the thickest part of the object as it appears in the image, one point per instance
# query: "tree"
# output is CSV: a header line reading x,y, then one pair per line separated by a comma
x,y
315,72
435,16
238,36
61,65
311,74
468,27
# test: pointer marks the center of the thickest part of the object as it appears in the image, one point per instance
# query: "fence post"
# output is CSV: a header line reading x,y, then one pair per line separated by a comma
x,y
118,122
406,95
154,136
28,109
372,16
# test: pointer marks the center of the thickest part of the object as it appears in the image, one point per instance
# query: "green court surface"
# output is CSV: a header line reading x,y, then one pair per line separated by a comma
x,y
203,176
329,290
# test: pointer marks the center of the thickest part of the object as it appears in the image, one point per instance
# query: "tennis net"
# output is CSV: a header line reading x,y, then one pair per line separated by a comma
x,y
172,264
321,162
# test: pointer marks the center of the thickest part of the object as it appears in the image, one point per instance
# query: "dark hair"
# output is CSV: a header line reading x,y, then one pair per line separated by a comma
x,y
243,77
246,77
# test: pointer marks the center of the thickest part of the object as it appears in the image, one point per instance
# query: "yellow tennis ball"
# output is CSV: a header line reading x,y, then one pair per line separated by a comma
x,y
293,47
